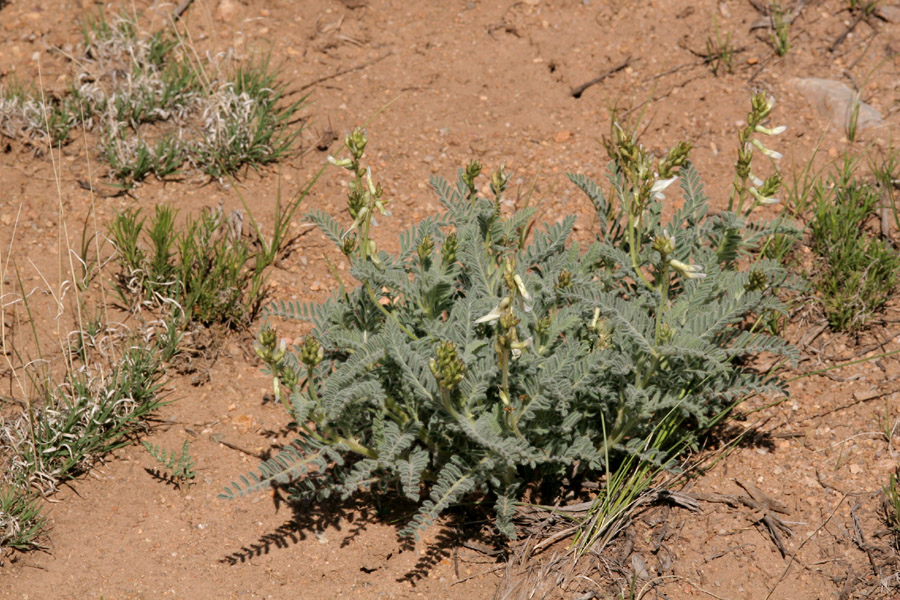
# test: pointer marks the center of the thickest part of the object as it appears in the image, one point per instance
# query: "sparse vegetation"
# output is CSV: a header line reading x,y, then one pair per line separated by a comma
x,y
720,52
858,272
156,111
502,368
179,464
22,520
892,506
781,28
210,271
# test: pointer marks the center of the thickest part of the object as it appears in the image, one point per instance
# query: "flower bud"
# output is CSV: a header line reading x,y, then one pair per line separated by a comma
x,y
756,281
448,252
664,243
311,351
473,170
425,248
448,368
499,181
348,245
356,143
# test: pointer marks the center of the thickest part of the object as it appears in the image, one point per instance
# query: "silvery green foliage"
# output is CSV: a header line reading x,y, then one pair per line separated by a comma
x,y
474,363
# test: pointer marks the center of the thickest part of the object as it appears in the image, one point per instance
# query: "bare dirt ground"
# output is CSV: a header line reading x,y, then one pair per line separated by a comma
x,y
439,83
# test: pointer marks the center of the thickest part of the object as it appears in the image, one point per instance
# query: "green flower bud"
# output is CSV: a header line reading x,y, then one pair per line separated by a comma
x,y
348,245
771,185
756,281
666,333
664,243
499,181
356,201
425,248
542,327
267,337
289,378
267,347
677,158
564,280
508,321
448,368
356,143
311,351
448,252
473,170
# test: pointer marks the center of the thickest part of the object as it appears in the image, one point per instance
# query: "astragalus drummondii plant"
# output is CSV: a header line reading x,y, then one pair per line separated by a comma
x,y
487,356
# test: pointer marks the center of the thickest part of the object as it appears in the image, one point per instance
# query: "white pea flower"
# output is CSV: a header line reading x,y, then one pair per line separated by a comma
x,y
360,217
766,151
344,162
517,348
661,184
763,199
688,271
369,180
495,313
771,131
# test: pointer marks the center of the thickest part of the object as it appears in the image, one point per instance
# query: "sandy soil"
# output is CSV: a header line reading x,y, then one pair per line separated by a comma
x,y
439,83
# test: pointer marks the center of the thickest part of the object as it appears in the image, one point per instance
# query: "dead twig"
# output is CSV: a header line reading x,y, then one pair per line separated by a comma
x,y
577,91
474,575
179,10
762,498
827,485
724,552
860,540
763,505
218,439
803,543
358,67
840,39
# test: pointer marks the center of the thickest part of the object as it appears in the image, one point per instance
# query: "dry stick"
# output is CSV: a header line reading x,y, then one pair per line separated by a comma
x,y
861,540
179,10
577,91
345,71
865,51
724,552
840,39
474,575
803,543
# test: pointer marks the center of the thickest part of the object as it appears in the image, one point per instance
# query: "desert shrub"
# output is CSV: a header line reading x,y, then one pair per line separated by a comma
x,y
858,271
486,356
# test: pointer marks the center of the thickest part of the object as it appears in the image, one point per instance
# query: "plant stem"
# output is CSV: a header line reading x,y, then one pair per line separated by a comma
x,y
663,298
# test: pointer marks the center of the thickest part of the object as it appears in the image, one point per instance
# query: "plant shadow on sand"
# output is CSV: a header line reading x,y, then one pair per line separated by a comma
x,y
463,527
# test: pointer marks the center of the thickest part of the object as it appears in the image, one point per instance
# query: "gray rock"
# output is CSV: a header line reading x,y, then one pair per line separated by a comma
x,y
835,100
